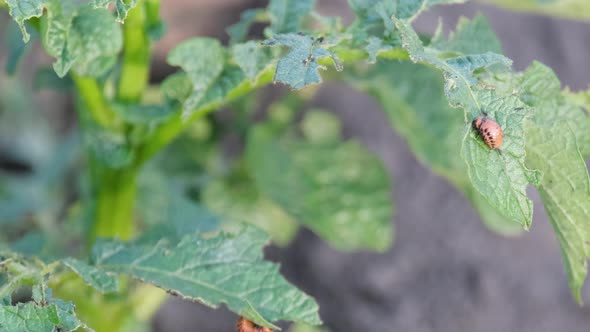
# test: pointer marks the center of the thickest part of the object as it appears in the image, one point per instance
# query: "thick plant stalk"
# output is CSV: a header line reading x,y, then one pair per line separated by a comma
x,y
136,56
115,203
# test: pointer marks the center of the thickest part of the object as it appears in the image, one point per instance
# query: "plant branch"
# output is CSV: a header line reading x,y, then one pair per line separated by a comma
x,y
170,129
95,102
136,56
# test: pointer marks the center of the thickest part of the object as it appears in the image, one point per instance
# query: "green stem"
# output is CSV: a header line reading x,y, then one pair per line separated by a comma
x,y
136,56
170,129
95,102
115,202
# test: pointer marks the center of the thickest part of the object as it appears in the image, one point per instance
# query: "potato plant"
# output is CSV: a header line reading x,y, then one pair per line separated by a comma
x,y
143,194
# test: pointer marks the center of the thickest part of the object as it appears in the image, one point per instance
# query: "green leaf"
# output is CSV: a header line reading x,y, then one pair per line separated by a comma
x,y
23,10
565,188
579,119
122,7
227,268
470,37
45,313
340,190
84,39
239,31
177,87
203,60
501,177
252,58
458,71
100,280
413,98
29,317
17,48
238,200
287,15
300,67
369,11
573,9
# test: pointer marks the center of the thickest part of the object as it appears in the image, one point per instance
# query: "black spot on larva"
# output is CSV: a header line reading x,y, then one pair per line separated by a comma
x,y
519,108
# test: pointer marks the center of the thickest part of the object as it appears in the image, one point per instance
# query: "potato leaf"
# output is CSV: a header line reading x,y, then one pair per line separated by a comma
x,y
501,177
413,98
252,58
300,67
339,190
203,60
286,15
23,10
565,188
84,39
227,268
100,280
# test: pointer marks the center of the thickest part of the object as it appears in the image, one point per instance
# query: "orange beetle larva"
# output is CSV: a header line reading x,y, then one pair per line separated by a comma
x,y
489,130
245,325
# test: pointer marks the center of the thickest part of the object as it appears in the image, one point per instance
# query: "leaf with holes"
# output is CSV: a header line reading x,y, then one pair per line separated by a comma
x,y
84,39
300,67
23,10
224,269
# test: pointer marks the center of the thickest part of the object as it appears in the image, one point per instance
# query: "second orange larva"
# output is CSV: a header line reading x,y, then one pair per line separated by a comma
x,y
489,130
245,325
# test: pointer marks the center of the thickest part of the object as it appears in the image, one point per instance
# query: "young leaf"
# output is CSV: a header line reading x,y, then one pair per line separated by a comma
x,y
85,39
252,58
203,60
339,190
300,67
100,280
122,7
565,187
286,15
227,268
23,10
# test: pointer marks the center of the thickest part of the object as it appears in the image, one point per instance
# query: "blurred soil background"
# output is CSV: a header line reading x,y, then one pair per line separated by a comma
x,y
446,272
